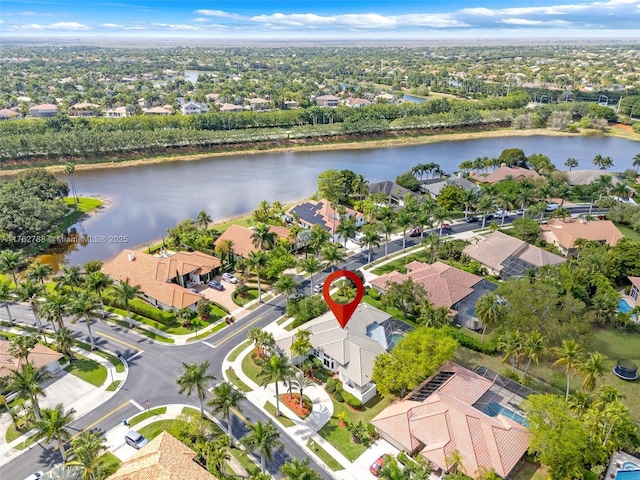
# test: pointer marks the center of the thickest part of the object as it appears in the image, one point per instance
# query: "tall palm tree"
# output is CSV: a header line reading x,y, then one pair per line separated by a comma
x,y
64,472
264,439
225,399
98,282
370,239
533,347
440,217
195,377
286,285
488,311
87,449
386,227
405,219
217,453
299,470
318,238
124,293
346,229
204,219
332,255
64,340
391,470
53,424
511,345
38,271
4,391
6,295
84,307
579,402
275,369
20,346
571,163
309,264
301,343
32,292
569,356
10,263
300,382
69,169
263,238
469,198
28,381
592,367
484,206
70,277
430,244
55,307
636,161
257,262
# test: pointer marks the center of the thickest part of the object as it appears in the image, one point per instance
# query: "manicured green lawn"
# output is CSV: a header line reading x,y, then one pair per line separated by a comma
x,y
399,263
285,421
248,464
233,376
340,437
250,369
109,463
144,415
208,333
628,232
251,295
236,351
146,333
331,462
154,429
88,370
531,471
113,386
85,204
394,312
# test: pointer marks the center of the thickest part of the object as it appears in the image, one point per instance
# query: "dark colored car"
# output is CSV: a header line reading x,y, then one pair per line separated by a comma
x,y
376,466
489,216
472,219
446,226
415,232
216,285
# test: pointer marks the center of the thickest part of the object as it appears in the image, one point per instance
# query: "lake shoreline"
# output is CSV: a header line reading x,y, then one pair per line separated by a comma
x,y
364,144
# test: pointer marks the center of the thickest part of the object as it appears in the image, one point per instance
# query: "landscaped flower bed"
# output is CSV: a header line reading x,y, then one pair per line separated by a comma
x,y
292,401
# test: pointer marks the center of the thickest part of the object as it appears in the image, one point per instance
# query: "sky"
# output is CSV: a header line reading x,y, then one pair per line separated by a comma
x,y
326,20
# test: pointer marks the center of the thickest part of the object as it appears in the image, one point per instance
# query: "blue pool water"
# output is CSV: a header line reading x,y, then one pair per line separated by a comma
x,y
630,466
624,307
628,475
393,339
493,409
472,312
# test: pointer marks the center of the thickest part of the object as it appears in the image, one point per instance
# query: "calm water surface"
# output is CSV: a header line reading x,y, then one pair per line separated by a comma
x,y
146,200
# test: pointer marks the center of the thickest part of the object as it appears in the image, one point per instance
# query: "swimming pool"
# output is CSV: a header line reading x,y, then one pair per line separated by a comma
x,y
393,339
630,466
628,475
494,409
624,306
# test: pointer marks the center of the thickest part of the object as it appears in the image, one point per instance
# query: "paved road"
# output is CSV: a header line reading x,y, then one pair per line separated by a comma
x,y
153,372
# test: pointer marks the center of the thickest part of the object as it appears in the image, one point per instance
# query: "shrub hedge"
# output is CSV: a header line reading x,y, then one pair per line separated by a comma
x,y
351,400
489,347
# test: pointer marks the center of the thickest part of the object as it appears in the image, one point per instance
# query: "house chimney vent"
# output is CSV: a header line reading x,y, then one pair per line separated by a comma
x,y
131,256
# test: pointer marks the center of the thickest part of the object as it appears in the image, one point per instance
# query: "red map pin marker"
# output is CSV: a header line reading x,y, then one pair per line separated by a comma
x,y
343,311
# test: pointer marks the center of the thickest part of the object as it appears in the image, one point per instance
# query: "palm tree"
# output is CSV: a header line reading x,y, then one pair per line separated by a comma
x,y
488,311
69,169
195,377
31,292
262,339
579,402
405,220
571,163
485,205
301,343
204,219
264,439
387,227
469,197
346,229
87,448
6,294
287,286
318,237
38,271
370,239
225,399
309,264
636,161
28,381
299,470
85,306
217,453
20,346
511,345
124,293
276,369
53,424
257,261
441,216
332,255
224,250
4,384
98,282
391,470
70,277
10,263
430,244
570,356
300,382
55,306
592,367
64,340
263,238
533,347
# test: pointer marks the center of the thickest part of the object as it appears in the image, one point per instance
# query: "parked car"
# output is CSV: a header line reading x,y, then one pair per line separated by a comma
x,y
489,216
415,232
551,207
472,219
501,213
317,288
193,290
446,226
35,476
216,285
376,466
136,440
227,277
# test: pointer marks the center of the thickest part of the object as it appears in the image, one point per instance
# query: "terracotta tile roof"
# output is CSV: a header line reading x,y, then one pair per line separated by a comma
x,y
564,234
517,173
635,281
446,421
153,273
314,212
44,106
40,356
5,112
444,284
163,458
241,238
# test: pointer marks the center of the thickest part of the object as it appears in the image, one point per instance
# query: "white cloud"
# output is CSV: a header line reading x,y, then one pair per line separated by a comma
x,y
360,20
68,26
218,13
172,26
524,21
111,25
201,19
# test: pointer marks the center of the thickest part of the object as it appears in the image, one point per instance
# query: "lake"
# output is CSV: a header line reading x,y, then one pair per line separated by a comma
x,y
146,200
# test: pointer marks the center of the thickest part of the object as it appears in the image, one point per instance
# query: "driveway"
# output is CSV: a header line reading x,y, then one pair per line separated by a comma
x,y
223,297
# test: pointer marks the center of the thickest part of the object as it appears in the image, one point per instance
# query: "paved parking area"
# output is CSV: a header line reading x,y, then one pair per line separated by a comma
x,y
223,298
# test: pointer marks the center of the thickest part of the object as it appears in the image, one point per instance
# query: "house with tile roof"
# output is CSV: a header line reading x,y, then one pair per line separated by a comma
x,y
45,110
434,186
446,286
230,107
327,101
118,112
258,103
84,109
242,245
164,280
40,356
163,458
457,410
395,192
7,114
351,351
504,172
320,212
508,256
564,233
